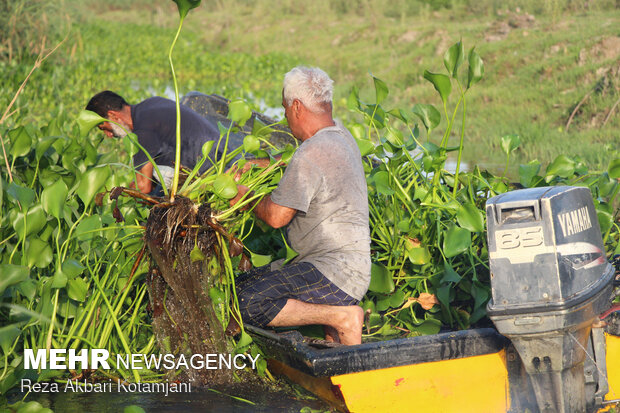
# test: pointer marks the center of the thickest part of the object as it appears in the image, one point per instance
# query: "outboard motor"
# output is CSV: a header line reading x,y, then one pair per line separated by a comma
x,y
550,280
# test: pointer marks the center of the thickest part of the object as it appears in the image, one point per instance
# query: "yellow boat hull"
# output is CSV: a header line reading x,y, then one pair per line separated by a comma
x,y
491,382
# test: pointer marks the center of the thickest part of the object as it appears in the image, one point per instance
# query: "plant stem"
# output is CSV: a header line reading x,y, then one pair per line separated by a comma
x,y
458,162
177,156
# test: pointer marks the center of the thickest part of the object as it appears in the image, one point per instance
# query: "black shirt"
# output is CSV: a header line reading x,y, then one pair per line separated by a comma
x,y
154,122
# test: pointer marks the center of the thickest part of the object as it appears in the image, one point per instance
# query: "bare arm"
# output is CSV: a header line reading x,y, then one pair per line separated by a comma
x,y
273,214
144,176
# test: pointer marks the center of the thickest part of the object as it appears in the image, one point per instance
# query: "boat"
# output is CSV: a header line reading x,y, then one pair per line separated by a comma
x,y
475,370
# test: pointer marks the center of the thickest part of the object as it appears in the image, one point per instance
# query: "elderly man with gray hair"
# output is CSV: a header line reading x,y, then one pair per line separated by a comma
x,y
322,199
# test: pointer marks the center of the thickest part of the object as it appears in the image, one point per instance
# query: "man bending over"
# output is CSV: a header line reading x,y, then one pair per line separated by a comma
x,y
154,122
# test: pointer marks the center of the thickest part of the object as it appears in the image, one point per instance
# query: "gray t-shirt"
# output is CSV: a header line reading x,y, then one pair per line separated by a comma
x,y
325,183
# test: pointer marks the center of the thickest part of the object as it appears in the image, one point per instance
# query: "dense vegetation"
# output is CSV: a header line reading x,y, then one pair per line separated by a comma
x,y
542,60
66,263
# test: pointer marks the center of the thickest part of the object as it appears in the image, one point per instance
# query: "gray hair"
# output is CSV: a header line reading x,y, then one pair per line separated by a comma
x,y
310,85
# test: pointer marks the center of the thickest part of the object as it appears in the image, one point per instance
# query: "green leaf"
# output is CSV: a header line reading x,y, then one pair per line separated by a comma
x,y
403,225
453,58
380,279
480,294
8,334
456,240
375,320
358,131
86,229
21,142
260,129
528,172
129,143
605,185
353,101
383,303
239,112
206,148
510,143
39,253
605,218
381,90
196,254
613,169
420,192
382,183
259,260
290,254
185,6
77,289
43,145
54,128
24,195
11,275
244,341
225,186
449,275
443,295
441,83
561,166
71,268
428,327
428,114
394,136
34,222
397,299
476,68
365,146
53,198
59,280
87,120
217,296
470,217
251,143
133,409
419,256
376,116
92,182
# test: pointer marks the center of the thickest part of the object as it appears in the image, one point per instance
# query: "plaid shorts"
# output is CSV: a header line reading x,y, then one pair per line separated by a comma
x,y
263,293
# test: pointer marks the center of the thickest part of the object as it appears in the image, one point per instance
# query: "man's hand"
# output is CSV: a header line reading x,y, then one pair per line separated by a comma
x,y
261,163
241,191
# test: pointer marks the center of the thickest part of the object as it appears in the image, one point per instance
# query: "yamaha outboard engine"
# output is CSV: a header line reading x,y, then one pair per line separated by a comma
x,y
550,280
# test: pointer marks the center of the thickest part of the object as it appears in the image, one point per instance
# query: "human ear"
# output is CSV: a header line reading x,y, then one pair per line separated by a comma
x,y
297,107
112,115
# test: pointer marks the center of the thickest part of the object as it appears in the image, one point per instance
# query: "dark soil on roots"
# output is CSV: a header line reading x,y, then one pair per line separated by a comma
x,y
184,321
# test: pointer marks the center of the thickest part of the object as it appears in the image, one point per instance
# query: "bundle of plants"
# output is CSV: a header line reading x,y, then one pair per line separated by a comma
x,y
189,236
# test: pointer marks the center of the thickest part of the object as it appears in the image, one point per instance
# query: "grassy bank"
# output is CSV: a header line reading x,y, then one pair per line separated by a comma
x,y
538,67
542,60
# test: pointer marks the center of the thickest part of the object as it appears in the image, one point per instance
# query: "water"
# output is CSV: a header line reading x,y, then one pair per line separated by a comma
x,y
196,401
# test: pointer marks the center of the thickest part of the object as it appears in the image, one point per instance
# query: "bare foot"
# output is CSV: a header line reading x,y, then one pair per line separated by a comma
x,y
348,322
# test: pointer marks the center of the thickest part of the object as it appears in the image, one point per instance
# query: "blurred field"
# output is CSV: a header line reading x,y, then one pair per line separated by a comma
x,y
543,60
